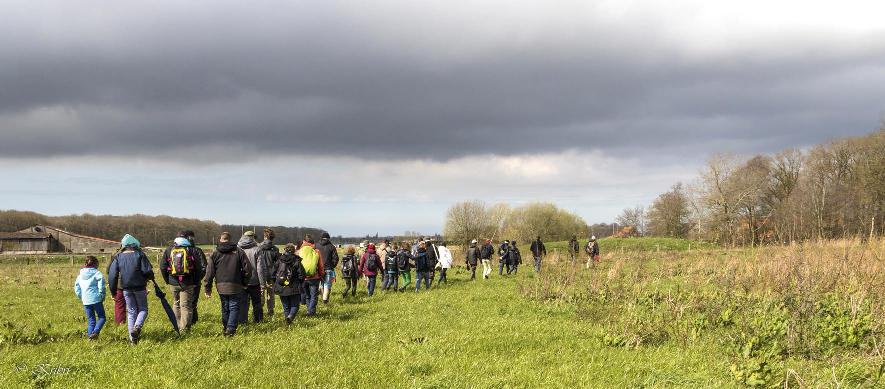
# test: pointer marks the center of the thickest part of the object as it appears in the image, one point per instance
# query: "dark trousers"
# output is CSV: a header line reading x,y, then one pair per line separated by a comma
x,y
309,297
501,269
371,287
472,271
290,305
230,310
251,294
390,279
537,264
350,286
442,276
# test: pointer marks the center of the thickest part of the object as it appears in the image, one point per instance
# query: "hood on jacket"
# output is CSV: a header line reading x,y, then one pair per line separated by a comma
x,y
226,247
247,242
87,273
371,250
266,244
182,242
288,258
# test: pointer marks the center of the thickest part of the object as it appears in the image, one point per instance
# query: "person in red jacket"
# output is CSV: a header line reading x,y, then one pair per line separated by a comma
x,y
371,266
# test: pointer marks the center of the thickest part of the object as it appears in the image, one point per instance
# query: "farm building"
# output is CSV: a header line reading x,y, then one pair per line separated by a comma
x,y
47,239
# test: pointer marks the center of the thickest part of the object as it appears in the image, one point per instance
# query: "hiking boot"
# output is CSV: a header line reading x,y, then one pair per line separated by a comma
x,y
93,336
229,332
289,320
135,335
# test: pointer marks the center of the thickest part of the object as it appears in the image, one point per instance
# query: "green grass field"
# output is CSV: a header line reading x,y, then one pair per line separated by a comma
x,y
518,331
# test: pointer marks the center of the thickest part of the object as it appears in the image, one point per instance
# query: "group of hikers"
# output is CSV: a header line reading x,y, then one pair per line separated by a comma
x,y
248,273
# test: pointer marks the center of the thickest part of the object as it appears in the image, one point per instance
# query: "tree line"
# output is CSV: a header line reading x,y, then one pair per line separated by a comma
x,y
150,230
476,220
832,190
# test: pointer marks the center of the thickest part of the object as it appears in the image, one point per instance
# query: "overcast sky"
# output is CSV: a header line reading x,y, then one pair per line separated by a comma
x,y
375,116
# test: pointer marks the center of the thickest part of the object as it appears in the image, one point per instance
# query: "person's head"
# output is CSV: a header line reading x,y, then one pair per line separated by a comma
x,y
513,243
488,241
593,237
291,248
325,236
370,246
473,241
182,234
189,235
351,250
129,242
443,244
308,238
574,237
91,261
506,241
269,234
422,245
250,234
224,237
539,237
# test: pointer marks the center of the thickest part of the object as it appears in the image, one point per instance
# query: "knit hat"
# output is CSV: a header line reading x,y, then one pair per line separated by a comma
x,y
129,240
250,233
325,236
473,241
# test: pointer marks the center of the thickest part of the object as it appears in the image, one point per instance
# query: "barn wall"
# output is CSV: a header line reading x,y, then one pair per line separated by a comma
x,y
24,246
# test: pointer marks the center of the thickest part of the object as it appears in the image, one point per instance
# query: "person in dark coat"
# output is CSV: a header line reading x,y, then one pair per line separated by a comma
x,y
329,254
471,257
503,252
288,281
182,269
538,252
422,267
231,271
350,271
573,248
266,265
403,267
203,262
514,258
131,271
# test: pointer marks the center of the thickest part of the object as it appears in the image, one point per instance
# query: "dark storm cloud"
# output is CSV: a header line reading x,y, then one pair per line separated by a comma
x,y
326,79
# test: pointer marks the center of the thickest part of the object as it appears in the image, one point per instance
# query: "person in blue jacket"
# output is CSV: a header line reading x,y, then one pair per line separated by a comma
x,y
90,289
131,270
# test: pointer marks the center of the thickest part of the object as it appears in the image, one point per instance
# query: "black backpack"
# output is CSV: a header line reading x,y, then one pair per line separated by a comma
x,y
347,265
372,262
402,261
390,261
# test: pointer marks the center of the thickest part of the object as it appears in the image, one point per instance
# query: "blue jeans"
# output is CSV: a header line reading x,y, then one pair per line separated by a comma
x,y
371,284
230,310
290,305
327,278
311,289
94,326
501,269
422,275
392,279
136,307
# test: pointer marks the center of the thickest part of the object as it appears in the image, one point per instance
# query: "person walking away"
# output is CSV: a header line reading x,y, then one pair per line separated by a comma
x,y
370,266
514,257
131,271
538,252
432,258
252,290
485,255
229,268
90,289
119,300
313,273
573,248
266,265
391,272
201,255
592,250
422,268
181,269
349,266
503,252
403,267
445,262
287,282
471,258
329,254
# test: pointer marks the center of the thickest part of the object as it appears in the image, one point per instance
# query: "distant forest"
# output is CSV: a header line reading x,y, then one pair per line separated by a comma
x,y
150,230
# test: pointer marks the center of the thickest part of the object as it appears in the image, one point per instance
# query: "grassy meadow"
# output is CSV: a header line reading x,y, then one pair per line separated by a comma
x,y
652,314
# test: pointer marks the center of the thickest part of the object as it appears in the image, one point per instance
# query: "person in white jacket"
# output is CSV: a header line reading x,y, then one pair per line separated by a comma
x,y
445,261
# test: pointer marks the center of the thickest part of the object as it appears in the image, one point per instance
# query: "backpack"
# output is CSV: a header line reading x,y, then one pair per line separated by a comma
x,y
372,262
347,265
310,258
180,262
390,261
268,258
402,261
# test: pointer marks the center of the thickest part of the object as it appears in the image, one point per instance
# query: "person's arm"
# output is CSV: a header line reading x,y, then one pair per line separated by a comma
x,y
245,265
77,290
210,274
321,265
261,255
164,270
145,265
113,274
